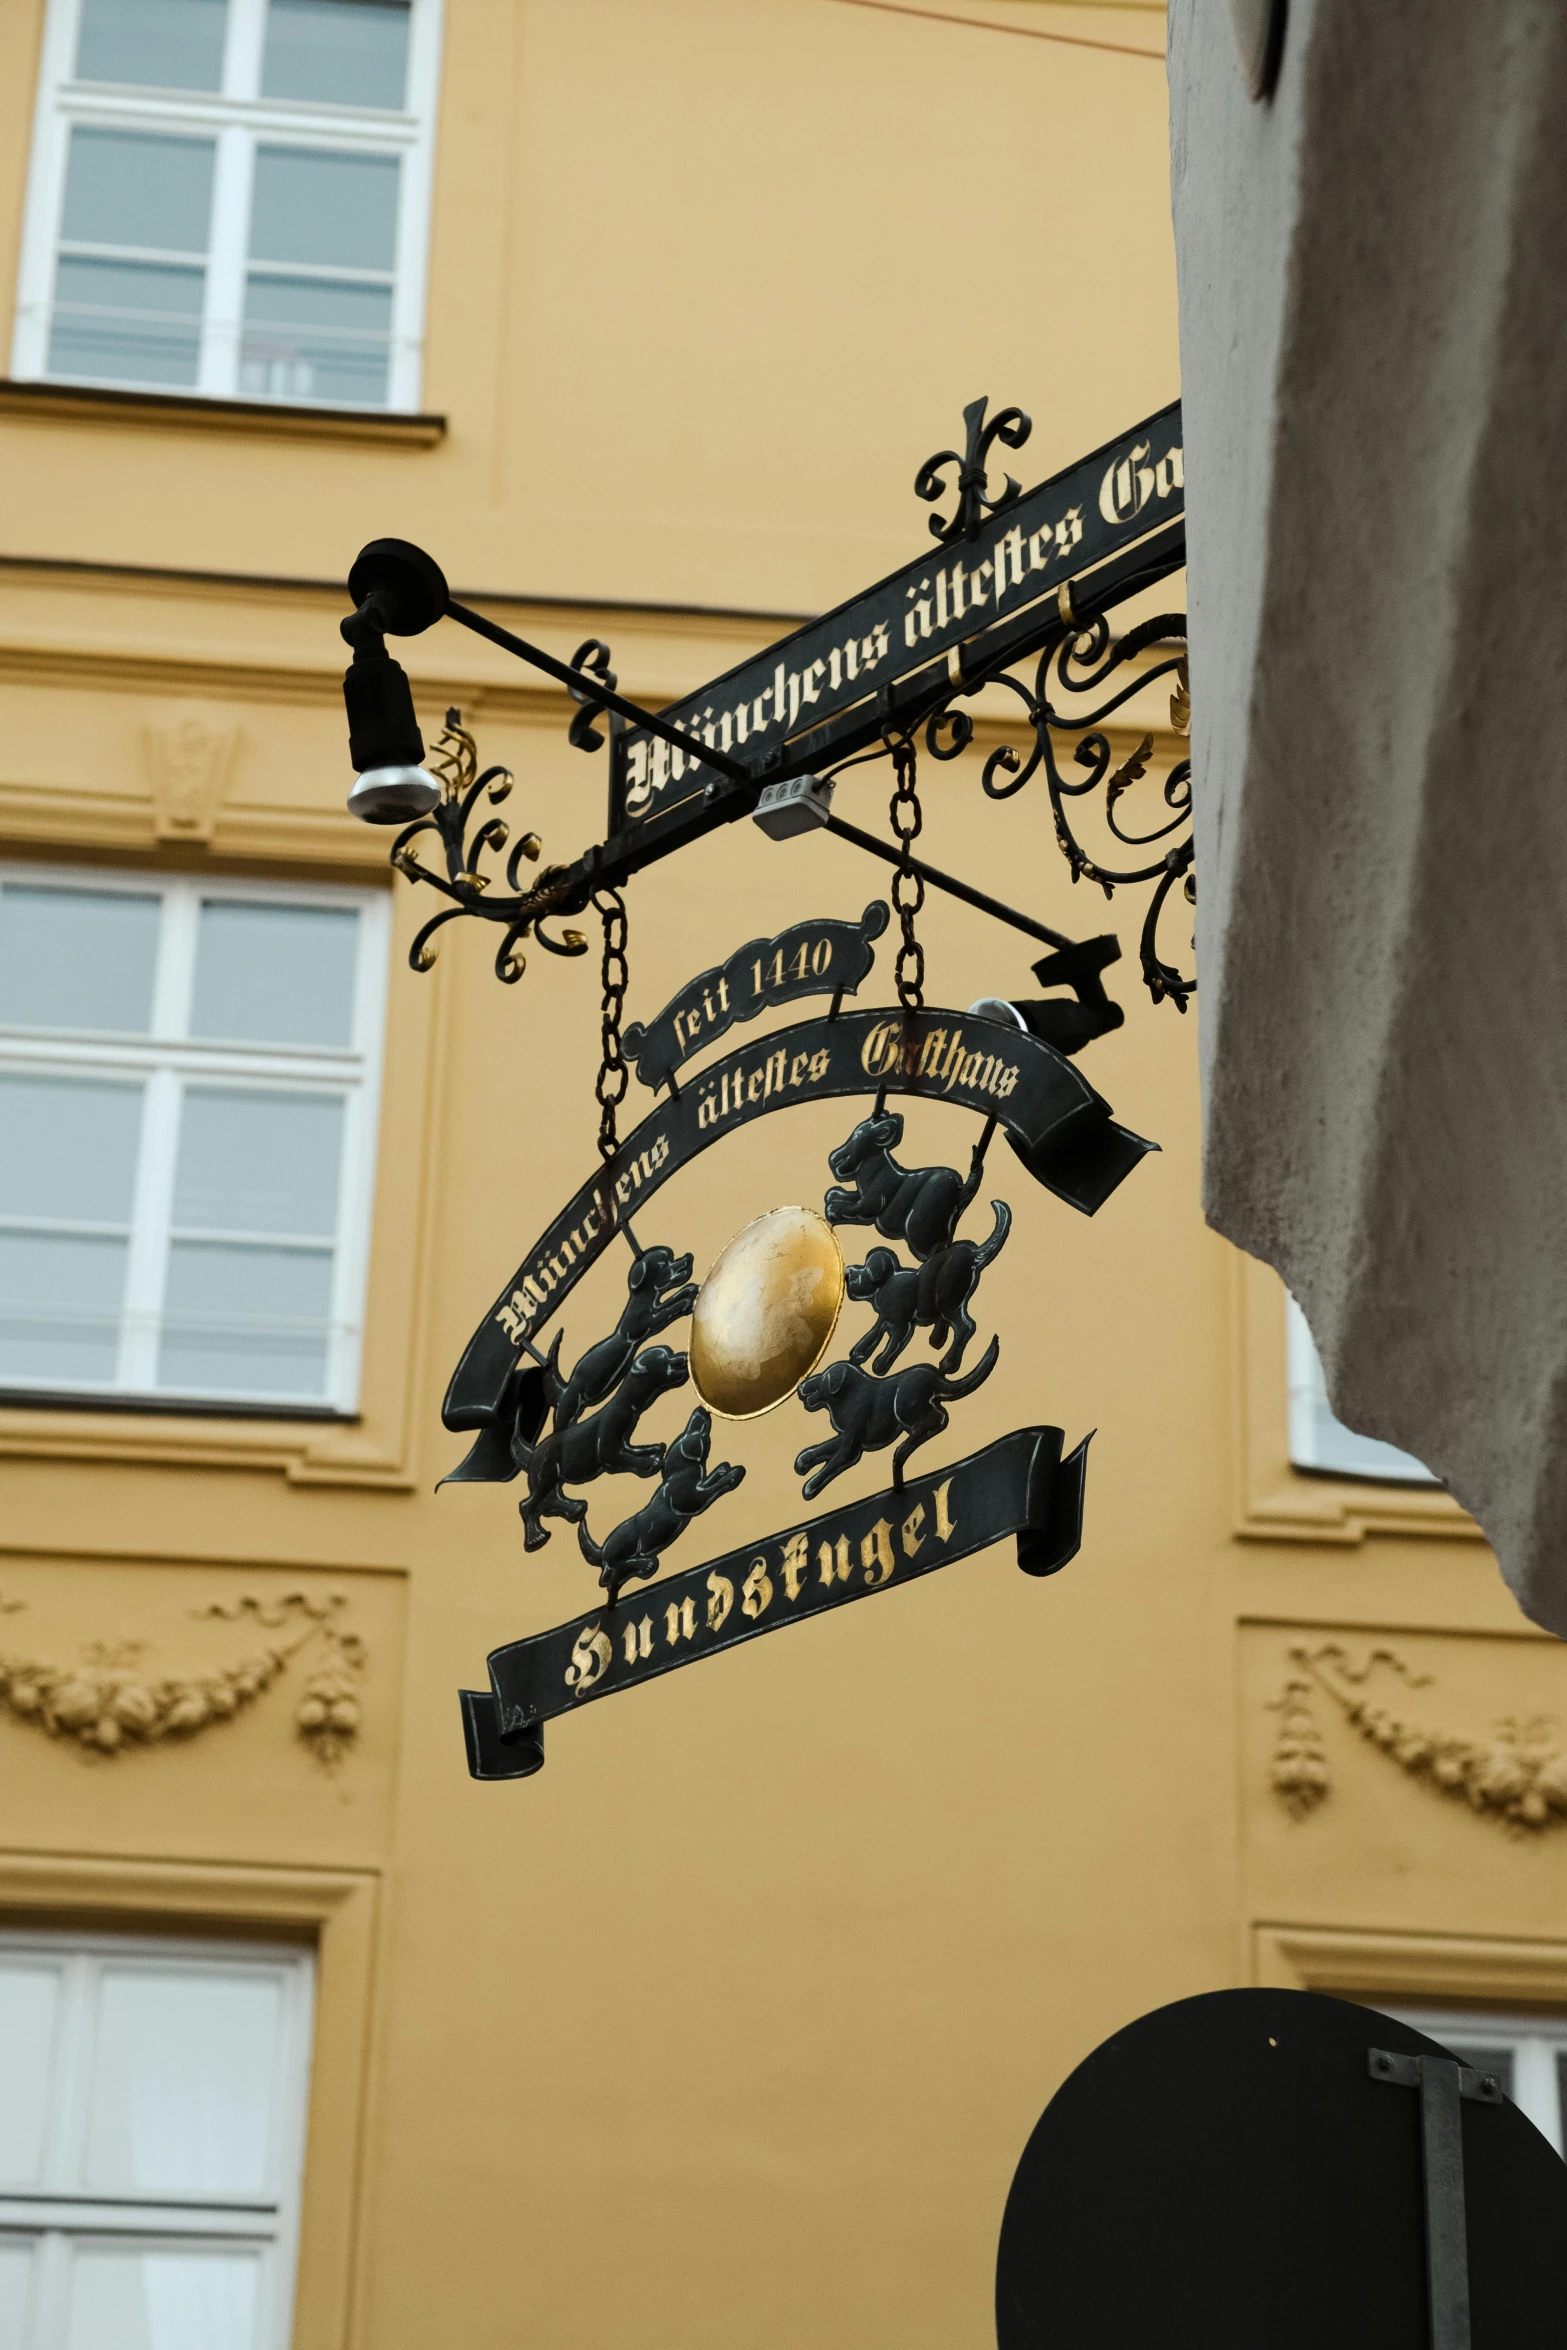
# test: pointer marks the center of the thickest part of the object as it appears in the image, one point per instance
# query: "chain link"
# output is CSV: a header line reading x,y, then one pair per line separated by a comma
x,y
908,887
613,1078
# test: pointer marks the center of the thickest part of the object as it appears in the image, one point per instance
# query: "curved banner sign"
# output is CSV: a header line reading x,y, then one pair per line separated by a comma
x,y
1058,1125
1018,1485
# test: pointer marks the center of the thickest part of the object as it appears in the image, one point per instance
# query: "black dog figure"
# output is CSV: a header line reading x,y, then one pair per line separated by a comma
x,y
935,1293
647,1310
599,1446
868,1413
686,1488
920,1205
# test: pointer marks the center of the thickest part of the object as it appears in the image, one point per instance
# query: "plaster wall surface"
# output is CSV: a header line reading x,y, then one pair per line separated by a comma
x,y
731,2024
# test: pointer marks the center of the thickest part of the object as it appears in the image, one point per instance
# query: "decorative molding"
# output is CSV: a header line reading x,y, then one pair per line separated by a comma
x,y
1276,1502
334,1909
1518,1775
111,1702
185,412
190,763
1352,1963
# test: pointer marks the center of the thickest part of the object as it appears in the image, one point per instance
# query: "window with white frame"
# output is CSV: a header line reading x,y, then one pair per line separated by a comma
x,y
152,2133
1528,2055
231,197
1320,1440
189,1075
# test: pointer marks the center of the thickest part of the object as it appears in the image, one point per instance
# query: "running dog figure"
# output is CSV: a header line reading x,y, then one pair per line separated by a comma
x,y
686,1487
599,1446
934,1294
647,1310
919,1205
868,1413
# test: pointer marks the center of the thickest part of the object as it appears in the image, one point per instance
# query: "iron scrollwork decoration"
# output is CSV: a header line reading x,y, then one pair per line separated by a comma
x,y
923,1281
1085,663
455,762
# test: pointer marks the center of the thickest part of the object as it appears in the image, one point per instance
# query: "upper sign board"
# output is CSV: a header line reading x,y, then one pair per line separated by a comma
x,y
946,597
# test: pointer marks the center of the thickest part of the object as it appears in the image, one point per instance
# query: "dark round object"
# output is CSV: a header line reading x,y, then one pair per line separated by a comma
x,y
1225,2173
412,586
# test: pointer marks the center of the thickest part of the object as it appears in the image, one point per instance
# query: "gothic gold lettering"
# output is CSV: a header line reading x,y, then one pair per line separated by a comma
x,y
591,1658
756,1592
876,1554
794,1564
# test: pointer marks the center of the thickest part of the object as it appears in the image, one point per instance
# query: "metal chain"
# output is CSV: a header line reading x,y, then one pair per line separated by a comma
x,y
613,1078
908,887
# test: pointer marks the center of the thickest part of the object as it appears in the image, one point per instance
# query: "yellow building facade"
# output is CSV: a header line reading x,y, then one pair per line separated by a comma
x,y
731,2024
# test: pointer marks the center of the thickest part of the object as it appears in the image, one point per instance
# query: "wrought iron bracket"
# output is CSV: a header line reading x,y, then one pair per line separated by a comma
x,y
1443,2084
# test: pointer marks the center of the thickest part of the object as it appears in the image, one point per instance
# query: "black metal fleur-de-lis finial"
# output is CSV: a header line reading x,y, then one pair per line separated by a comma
x,y
1011,428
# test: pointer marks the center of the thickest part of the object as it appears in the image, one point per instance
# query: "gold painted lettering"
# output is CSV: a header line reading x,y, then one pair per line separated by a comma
x,y
819,1066
830,1564
753,1085
591,1658
639,1640
911,1533
797,1066
756,1592
795,1564
720,1599
707,1111
680,1621
876,1554
946,1524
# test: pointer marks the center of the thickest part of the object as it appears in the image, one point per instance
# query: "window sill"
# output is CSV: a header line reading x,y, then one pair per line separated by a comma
x,y
186,411
183,1407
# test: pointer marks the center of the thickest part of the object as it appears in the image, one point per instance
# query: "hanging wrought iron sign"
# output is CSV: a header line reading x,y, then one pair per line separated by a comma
x,y
1015,577
762,1326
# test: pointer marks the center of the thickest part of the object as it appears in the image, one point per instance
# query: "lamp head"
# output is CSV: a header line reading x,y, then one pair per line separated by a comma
x,y
393,795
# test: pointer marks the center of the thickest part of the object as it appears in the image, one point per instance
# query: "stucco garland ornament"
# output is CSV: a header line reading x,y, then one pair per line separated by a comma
x,y
112,1701
1517,1776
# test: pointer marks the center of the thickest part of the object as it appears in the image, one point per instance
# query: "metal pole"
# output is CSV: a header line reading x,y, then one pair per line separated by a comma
x,y
954,889
582,681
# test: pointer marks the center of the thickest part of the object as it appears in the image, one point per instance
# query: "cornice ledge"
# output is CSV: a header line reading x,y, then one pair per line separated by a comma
x,y
186,412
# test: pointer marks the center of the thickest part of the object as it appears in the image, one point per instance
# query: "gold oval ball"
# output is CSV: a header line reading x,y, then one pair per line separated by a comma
x,y
765,1315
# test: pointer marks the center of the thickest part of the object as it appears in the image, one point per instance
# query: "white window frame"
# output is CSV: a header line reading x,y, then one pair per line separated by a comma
x,y
56,2214
163,1058
1318,1439
1535,2044
239,125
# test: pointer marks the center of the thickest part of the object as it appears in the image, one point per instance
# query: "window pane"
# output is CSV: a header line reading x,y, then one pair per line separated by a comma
x,y
68,1147
1318,1439
16,2275
185,2300
159,44
338,211
275,974
308,341
29,1999
60,1308
130,188
247,1321
77,958
341,52
182,2084
130,321
258,1162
